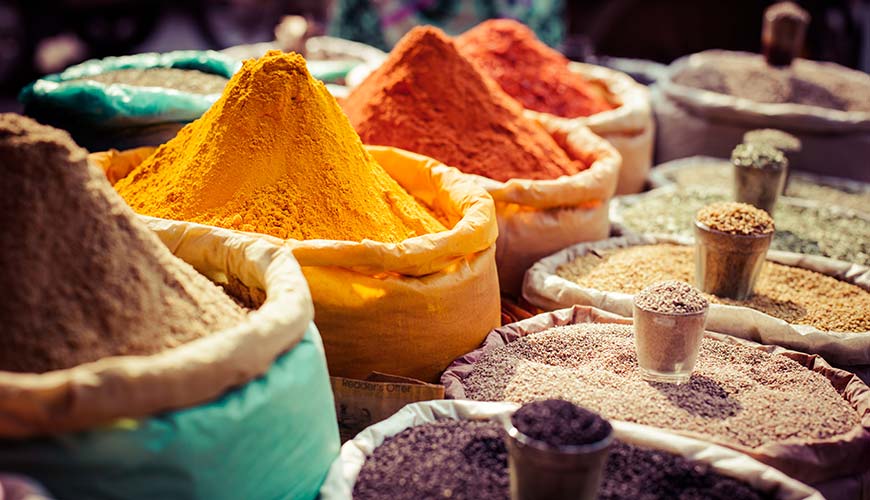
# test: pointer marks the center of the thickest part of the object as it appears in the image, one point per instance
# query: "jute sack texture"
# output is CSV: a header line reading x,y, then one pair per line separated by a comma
x,y
164,425
405,308
838,465
344,472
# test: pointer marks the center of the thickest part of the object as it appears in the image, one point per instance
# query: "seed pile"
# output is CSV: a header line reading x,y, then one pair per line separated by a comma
x,y
185,80
778,139
671,297
823,230
560,423
719,174
462,459
804,82
758,155
795,295
735,218
83,277
737,394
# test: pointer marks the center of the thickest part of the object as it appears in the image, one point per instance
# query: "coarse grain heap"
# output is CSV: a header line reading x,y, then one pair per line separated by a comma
x,y
466,459
557,423
84,278
795,295
780,140
276,155
736,218
184,80
671,297
530,71
737,394
429,99
758,155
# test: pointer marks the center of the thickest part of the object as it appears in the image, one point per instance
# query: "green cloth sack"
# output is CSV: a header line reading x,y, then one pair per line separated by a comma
x,y
90,103
273,438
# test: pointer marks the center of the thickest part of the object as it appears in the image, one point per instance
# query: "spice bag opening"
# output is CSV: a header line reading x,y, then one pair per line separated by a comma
x,y
285,418
345,470
132,386
842,456
544,288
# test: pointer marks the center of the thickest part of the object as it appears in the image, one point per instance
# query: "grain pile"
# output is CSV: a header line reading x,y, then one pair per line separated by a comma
x,y
560,423
798,296
84,279
737,394
735,218
464,459
671,297
183,80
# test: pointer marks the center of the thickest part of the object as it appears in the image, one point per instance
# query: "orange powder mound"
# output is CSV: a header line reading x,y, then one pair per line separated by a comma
x,y
276,155
428,99
529,70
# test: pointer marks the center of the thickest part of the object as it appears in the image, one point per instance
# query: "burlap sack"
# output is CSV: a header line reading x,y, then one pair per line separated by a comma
x,y
345,470
131,386
692,122
545,289
846,456
409,308
629,128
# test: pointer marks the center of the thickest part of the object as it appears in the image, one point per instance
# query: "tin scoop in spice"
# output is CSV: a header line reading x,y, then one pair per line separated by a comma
x,y
731,243
669,319
556,451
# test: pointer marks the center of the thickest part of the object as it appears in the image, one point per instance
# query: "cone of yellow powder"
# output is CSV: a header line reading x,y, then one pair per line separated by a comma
x,y
276,155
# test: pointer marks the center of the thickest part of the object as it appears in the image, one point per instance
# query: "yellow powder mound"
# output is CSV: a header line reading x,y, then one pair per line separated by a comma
x,y
276,155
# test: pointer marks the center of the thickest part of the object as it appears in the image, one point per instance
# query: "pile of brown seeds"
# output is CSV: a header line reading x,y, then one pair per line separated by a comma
x,y
795,295
735,218
185,80
671,297
737,394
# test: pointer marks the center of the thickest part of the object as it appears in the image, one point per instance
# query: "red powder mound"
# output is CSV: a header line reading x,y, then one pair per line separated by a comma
x,y
529,70
428,99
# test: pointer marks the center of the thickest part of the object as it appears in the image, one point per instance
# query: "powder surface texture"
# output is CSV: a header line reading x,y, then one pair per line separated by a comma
x,y
83,277
429,99
276,155
530,71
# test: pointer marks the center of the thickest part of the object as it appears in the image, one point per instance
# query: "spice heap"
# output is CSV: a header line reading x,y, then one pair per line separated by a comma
x,y
467,459
84,279
737,394
428,99
758,155
184,80
804,82
276,155
795,295
560,423
821,230
671,297
530,71
778,139
735,218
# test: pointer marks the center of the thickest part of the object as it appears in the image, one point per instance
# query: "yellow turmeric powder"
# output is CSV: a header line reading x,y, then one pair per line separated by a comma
x,y
276,155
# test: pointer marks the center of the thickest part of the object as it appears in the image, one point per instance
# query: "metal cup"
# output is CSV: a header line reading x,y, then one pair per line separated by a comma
x,y
667,344
542,472
728,265
759,187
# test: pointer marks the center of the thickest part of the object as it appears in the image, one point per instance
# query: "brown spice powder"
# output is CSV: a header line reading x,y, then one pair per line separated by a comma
x,y
84,277
796,295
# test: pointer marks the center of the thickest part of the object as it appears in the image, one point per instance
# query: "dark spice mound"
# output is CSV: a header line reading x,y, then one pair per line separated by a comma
x,y
557,422
467,459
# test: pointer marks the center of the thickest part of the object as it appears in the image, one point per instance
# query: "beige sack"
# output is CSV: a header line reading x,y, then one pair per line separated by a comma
x,y
629,128
198,371
345,470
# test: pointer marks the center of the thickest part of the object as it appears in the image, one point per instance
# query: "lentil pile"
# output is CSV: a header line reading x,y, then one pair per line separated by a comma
x,y
185,80
804,82
560,423
735,218
83,277
276,155
468,459
737,394
822,230
671,297
795,295
530,71
421,99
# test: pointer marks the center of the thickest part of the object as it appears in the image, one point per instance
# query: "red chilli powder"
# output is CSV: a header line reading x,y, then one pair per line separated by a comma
x,y
428,99
530,71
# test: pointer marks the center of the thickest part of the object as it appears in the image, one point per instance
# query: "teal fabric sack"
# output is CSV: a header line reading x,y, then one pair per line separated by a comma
x,y
273,438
